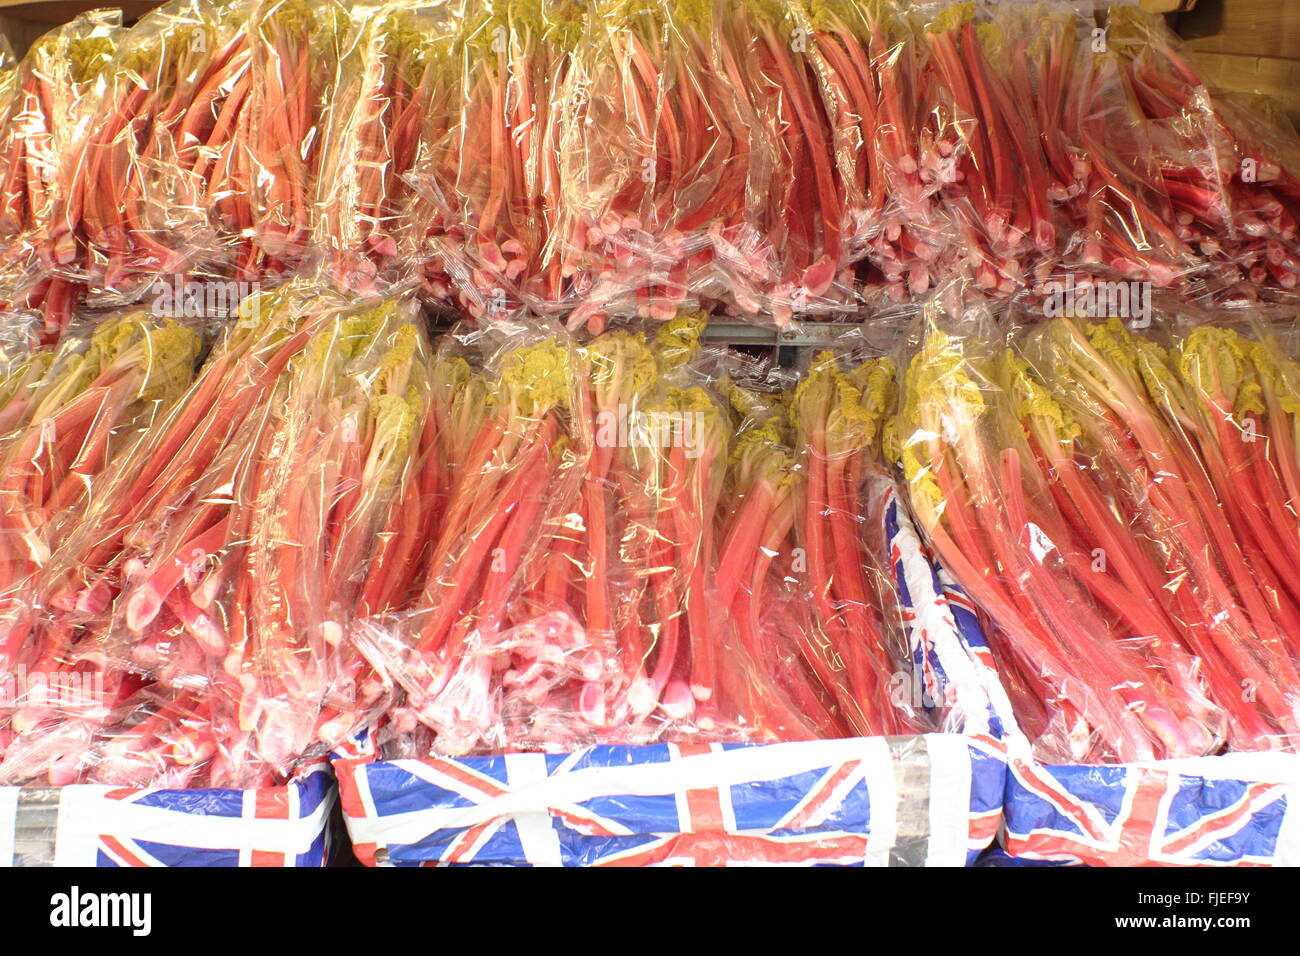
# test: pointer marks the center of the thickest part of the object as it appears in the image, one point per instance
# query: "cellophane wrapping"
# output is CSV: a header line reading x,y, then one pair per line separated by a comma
x,y
134,209
1115,499
206,587
70,413
637,539
44,116
388,113
295,48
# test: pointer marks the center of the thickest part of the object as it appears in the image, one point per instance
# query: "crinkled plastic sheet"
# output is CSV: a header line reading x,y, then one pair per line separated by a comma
x,y
388,111
1115,501
208,583
637,540
45,116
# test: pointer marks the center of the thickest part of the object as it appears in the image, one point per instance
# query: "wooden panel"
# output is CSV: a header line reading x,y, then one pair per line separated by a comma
x,y
61,11
1165,6
21,33
1275,77
1244,27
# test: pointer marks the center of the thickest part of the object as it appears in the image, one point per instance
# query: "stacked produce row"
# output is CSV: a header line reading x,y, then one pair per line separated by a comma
x,y
354,403
594,159
1121,504
540,542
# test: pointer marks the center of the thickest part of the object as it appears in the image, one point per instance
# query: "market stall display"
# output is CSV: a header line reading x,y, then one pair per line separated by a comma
x,y
644,431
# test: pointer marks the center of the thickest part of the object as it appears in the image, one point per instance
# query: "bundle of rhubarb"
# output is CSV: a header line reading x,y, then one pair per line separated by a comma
x,y
623,555
44,116
1108,503
640,156
128,212
208,587
1059,166
823,540
1233,181
492,189
1185,452
65,415
894,150
295,51
1091,676
202,152
386,125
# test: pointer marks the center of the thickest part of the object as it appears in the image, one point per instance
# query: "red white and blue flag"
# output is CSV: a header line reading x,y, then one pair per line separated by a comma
x,y
932,799
85,825
1230,810
905,801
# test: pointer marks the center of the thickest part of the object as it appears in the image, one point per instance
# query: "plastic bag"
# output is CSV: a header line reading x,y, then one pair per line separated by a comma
x,y
67,413
44,118
1017,514
135,210
176,570
790,253
624,555
387,114
295,45
813,598
1231,179
1186,471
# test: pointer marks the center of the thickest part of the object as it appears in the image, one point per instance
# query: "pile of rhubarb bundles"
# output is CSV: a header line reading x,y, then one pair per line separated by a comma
x,y
1122,505
193,578
636,539
513,539
591,159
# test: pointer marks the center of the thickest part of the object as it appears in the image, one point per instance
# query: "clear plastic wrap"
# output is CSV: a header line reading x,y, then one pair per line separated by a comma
x,y
790,256
988,452
67,412
1056,165
44,118
349,440
836,417
1115,500
225,554
1171,427
296,49
1231,179
493,186
629,549
899,145
387,119
135,211
628,150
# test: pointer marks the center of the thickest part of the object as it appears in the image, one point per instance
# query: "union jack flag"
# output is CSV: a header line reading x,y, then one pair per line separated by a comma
x,y
924,800
84,825
1233,810
952,666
